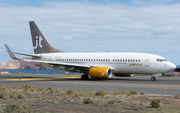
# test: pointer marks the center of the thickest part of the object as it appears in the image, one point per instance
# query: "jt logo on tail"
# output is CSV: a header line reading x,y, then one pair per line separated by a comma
x,y
40,44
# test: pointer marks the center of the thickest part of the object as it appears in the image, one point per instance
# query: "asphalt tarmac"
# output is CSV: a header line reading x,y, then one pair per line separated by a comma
x,y
162,85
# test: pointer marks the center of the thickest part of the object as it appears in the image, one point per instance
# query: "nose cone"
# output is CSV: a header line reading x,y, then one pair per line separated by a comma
x,y
171,66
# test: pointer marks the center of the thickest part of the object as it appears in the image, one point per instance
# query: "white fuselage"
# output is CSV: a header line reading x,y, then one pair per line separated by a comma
x,y
130,63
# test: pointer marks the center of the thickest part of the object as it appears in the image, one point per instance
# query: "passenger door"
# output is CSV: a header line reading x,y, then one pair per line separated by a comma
x,y
147,62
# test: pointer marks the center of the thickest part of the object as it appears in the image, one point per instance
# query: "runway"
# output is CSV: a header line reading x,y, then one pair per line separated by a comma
x,y
162,86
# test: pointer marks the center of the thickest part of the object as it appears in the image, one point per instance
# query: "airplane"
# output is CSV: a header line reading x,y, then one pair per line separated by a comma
x,y
94,65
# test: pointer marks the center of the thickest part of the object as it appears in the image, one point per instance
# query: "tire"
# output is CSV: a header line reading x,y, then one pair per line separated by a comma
x,y
84,77
153,79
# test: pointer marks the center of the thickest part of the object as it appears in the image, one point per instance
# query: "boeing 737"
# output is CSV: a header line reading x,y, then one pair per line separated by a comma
x,y
94,65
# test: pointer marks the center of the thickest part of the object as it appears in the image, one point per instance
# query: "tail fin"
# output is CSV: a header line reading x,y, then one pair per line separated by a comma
x,y
40,44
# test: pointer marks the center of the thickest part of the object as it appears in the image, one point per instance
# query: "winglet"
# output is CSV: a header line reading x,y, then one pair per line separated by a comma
x,y
11,53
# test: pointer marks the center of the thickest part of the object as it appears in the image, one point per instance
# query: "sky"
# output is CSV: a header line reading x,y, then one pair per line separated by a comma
x,y
145,26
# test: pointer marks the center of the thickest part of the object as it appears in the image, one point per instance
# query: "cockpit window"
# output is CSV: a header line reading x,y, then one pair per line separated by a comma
x,y
161,60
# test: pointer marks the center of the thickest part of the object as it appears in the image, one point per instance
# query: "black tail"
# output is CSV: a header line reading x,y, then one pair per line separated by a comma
x,y
40,44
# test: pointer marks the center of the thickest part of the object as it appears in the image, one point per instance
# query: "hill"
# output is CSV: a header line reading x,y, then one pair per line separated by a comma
x,y
21,65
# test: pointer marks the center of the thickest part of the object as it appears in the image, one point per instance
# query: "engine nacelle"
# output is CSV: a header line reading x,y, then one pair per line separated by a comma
x,y
100,72
123,75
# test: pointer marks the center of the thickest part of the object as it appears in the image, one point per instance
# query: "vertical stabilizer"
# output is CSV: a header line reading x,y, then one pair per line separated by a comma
x,y
40,44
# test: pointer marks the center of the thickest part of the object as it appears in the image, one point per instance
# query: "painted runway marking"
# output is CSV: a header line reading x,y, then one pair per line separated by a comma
x,y
29,79
72,77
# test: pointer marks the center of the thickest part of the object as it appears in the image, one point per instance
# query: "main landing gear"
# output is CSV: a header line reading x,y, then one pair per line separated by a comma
x,y
84,77
153,79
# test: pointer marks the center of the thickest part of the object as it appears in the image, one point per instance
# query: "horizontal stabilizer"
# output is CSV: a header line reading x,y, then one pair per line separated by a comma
x,y
37,56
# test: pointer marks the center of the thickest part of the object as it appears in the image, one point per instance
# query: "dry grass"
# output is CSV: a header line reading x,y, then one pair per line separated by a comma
x,y
69,91
40,99
88,100
100,93
16,108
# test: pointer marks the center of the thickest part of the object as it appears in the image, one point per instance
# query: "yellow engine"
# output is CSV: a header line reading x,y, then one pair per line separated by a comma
x,y
123,75
100,72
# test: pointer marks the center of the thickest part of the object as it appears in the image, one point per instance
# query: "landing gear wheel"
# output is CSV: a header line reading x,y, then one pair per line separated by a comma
x,y
153,79
84,77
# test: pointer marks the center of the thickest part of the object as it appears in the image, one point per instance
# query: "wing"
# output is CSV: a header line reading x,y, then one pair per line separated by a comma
x,y
63,66
57,65
10,53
